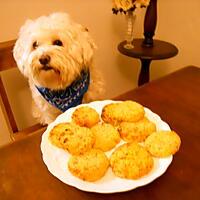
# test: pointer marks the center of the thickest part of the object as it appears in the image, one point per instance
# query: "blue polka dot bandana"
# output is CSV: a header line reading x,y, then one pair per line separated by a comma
x,y
69,97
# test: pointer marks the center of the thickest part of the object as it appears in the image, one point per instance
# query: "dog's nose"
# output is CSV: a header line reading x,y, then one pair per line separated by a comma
x,y
45,59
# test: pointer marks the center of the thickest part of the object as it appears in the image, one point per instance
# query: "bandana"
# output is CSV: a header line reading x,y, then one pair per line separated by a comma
x,y
69,97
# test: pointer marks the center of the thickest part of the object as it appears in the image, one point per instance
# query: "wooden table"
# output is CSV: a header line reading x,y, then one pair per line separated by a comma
x,y
176,98
160,50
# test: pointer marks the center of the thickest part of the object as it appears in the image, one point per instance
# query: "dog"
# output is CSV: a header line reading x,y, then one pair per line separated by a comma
x,y
56,55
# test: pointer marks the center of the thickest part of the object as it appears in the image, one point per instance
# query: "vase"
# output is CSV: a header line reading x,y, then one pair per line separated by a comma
x,y
130,20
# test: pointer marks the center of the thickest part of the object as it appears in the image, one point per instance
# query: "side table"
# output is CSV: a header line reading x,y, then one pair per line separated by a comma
x,y
159,50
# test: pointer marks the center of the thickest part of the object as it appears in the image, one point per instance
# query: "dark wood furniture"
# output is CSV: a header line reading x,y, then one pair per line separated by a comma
x,y
7,62
160,50
148,49
176,98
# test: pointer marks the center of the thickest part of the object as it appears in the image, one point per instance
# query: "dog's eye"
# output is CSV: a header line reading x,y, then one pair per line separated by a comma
x,y
58,43
35,45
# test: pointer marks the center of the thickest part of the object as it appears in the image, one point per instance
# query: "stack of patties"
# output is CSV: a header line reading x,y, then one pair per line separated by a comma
x,y
135,158
88,137
130,160
78,139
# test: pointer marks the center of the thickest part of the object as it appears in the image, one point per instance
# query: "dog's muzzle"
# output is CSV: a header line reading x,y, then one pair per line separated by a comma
x,y
45,64
44,59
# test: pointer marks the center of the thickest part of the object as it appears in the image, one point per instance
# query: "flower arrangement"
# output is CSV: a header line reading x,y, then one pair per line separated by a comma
x,y
128,7
124,6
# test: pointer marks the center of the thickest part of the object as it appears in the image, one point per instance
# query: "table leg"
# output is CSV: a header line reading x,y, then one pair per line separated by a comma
x,y
144,72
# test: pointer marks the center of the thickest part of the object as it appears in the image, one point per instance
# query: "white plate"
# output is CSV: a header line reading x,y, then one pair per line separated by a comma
x,y
56,159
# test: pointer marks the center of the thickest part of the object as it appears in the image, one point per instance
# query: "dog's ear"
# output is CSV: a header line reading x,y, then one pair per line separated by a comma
x,y
88,47
21,48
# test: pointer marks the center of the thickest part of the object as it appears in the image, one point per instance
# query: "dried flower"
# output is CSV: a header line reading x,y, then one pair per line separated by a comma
x,y
124,6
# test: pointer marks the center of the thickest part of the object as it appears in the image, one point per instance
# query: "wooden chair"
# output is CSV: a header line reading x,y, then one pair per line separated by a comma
x,y
7,62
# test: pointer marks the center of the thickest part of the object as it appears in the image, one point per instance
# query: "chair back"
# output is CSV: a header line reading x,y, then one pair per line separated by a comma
x,y
7,62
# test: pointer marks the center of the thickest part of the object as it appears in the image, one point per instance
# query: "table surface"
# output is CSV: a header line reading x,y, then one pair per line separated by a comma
x,y
176,98
159,50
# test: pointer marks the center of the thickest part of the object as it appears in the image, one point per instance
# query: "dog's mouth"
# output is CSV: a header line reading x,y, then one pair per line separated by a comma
x,y
46,68
49,68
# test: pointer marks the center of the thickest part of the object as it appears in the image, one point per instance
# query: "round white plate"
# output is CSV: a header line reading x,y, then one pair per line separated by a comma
x,y
56,159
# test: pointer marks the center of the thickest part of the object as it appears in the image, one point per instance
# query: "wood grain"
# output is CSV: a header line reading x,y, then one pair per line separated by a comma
x,y
7,62
160,50
6,55
176,98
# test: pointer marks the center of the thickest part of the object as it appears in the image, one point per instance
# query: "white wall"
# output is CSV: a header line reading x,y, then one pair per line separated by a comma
x,y
178,22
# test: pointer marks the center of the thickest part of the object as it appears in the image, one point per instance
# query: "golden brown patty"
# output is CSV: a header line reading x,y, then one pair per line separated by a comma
x,y
136,131
85,116
127,111
106,136
90,166
72,137
131,161
163,143
58,132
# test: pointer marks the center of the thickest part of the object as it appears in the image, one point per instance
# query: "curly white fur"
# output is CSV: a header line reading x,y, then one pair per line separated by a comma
x,y
70,49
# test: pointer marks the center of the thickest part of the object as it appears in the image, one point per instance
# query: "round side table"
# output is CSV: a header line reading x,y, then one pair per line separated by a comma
x,y
159,50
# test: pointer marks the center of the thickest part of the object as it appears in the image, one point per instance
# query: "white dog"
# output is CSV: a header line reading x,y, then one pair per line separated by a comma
x,y
56,54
